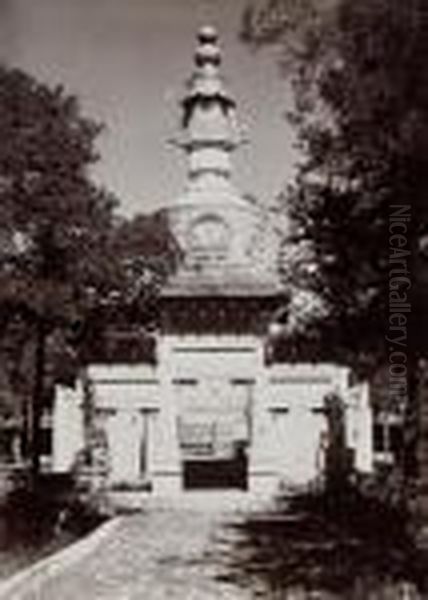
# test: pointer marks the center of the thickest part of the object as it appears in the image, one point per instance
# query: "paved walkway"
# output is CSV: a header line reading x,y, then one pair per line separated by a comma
x,y
205,548
169,554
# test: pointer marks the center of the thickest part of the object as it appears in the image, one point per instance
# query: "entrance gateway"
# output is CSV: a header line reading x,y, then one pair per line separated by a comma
x,y
212,411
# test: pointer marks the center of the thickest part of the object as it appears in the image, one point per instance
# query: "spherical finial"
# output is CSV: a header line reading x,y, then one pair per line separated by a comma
x,y
208,54
207,35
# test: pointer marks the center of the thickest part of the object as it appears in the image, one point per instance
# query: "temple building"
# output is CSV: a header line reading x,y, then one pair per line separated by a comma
x,y
214,410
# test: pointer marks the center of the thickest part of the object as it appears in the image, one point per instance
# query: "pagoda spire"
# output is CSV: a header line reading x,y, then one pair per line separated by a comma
x,y
209,132
220,232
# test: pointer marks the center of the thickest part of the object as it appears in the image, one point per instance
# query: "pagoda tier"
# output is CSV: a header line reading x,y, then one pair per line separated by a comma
x,y
218,315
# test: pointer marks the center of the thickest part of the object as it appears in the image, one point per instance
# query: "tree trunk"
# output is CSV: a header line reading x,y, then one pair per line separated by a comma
x,y
420,509
36,404
412,423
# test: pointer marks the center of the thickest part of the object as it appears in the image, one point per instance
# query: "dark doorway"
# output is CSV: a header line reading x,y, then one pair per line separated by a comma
x,y
216,474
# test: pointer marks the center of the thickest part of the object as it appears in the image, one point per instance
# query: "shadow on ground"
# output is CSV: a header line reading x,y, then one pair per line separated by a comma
x,y
38,523
320,547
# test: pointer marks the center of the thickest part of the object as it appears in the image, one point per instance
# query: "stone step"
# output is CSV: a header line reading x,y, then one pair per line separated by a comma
x,y
204,501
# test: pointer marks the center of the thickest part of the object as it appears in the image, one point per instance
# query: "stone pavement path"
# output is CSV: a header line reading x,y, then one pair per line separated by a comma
x,y
162,555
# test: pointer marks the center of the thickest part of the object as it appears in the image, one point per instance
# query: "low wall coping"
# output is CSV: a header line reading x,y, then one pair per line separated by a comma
x,y
51,566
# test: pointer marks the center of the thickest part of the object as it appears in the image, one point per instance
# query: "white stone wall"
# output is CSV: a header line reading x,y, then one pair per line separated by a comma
x,y
67,427
224,357
129,396
291,420
144,406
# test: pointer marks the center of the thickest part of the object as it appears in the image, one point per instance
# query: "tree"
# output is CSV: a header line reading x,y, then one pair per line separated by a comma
x,y
56,223
122,324
361,115
148,251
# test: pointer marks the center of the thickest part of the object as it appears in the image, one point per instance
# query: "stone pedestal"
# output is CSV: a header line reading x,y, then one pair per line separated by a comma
x,y
263,482
167,482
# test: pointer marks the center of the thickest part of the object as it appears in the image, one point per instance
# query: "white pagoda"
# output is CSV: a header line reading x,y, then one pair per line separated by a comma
x,y
213,411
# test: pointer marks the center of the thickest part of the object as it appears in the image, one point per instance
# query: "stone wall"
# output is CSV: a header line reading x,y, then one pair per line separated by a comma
x,y
207,396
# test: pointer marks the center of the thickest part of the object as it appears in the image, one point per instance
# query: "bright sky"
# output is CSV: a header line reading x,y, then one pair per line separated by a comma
x,y
127,61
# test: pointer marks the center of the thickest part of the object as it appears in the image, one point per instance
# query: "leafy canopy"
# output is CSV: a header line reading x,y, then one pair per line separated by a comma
x,y
361,114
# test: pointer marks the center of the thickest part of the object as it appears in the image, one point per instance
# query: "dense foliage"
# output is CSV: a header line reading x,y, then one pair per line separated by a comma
x,y
65,255
361,115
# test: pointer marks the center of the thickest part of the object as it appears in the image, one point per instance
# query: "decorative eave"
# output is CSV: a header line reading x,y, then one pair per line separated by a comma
x,y
218,314
190,145
209,90
210,289
225,281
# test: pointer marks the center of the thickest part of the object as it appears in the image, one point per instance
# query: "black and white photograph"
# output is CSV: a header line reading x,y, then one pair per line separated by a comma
x,y
213,300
